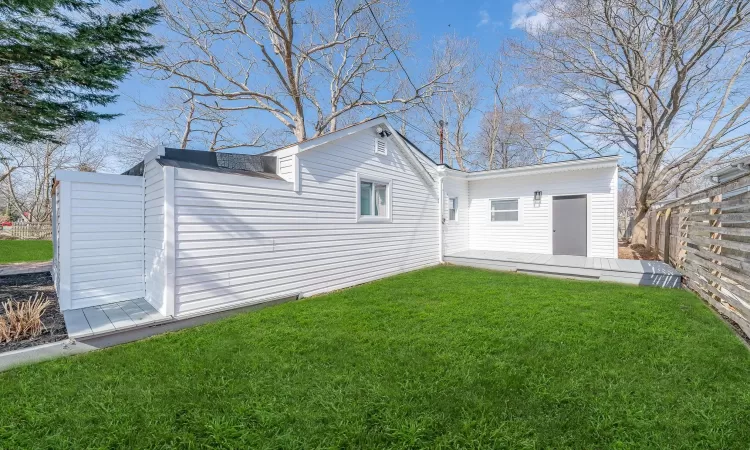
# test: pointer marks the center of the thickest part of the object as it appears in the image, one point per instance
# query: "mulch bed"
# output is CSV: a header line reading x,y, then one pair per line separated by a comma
x,y
635,251
20,288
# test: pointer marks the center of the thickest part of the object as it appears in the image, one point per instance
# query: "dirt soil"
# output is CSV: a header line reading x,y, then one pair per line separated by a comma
x,y
644,253
20,288
628,251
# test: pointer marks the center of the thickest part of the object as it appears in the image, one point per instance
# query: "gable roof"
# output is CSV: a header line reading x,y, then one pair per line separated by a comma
x,y
405,148
328,137
419,159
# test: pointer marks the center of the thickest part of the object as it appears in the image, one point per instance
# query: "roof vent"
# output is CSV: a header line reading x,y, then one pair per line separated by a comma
x,y
380,148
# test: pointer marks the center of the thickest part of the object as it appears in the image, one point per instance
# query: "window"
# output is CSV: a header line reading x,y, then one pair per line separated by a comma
x,y
452,208
373,199
505,210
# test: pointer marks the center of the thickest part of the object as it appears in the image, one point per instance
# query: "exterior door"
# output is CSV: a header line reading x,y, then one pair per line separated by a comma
x,y
569,225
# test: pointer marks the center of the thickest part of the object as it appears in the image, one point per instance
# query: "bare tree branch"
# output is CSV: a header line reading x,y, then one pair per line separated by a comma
x,y
289,60
664,83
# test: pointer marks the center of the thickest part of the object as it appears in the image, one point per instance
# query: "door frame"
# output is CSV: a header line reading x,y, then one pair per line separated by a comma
x,y
588,221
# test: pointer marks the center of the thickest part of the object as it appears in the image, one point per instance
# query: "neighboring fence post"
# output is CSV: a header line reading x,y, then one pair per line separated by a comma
x,y
668,236
715,235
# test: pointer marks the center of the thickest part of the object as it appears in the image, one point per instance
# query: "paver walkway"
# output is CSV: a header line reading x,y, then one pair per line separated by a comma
x,y
24,268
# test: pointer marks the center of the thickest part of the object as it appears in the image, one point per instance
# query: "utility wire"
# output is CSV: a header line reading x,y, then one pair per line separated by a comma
x,y
332,74
406,72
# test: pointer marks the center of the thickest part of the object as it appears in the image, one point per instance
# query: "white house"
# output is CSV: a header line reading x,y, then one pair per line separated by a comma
x,y
193,231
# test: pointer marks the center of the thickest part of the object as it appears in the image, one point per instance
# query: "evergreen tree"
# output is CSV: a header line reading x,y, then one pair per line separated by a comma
x,y
61,59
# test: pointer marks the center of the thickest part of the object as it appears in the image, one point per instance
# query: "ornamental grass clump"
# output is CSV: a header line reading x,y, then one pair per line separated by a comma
x,y
23,320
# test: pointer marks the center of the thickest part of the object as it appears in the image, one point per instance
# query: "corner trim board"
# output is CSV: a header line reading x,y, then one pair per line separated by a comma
x,y
66,237
169,241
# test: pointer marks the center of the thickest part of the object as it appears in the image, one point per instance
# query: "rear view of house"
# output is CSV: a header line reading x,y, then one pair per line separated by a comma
x,y
190,232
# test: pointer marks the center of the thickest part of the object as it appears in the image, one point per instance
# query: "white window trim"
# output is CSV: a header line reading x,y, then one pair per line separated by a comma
x,y
450,203
389,199
519,222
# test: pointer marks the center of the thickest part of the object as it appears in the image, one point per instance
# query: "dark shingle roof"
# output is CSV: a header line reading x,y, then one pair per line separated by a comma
x,y
259,166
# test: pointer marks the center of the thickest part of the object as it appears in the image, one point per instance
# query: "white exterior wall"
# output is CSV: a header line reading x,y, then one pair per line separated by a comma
x,y
245,239
456,233
154,248
533,232
100,241
285,167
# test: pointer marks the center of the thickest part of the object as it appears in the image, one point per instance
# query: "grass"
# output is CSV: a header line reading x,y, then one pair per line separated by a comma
x,y
15,251
442,358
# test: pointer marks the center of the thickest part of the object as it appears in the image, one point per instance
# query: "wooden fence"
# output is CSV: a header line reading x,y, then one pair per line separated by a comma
x,y
707,237
28,231
624,227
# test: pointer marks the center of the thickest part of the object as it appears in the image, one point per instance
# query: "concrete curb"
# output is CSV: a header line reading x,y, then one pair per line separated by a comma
x,y
12,269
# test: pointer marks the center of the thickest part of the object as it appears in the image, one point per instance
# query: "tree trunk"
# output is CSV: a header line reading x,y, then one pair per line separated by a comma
x,y
640,225
299,128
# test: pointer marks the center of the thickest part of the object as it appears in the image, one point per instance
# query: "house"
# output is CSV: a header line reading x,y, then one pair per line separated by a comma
x,y
732,170
192,231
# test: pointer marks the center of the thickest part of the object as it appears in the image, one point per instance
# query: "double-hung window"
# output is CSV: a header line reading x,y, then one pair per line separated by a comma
x,y
374,200
452,208
504,210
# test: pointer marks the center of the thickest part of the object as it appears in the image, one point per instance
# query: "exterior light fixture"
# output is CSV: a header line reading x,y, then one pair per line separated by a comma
x,y
537,196
382,132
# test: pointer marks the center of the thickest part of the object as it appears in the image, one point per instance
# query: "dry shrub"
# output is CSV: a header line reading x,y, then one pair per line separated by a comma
x,y
23,319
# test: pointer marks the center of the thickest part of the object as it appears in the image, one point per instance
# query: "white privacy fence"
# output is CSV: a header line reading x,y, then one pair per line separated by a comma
x,y
98,239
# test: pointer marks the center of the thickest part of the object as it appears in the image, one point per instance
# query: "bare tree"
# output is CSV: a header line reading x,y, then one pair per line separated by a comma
x,y
288,61
506,137
503,140
28,188
10,161
625,200
178,120
459,100
662,82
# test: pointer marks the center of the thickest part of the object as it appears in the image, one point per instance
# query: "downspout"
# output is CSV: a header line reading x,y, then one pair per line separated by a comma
x,y
441,176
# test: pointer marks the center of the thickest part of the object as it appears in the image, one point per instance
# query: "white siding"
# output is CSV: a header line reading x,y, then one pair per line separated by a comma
x,y
154,245
456,233
106,240
244,239
602,202
533,232
286,168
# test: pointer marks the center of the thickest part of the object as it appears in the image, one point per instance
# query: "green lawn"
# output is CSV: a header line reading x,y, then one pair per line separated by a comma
x,y
440,358
24,251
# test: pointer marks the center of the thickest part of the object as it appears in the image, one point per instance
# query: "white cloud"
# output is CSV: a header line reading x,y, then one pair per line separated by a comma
x,y
527,17
485,19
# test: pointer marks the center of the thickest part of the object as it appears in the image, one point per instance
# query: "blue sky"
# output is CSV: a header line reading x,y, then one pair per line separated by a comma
x,y
487,22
